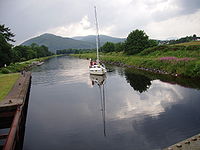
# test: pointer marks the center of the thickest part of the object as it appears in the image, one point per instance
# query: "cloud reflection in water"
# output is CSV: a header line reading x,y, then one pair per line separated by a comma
x,y
159,97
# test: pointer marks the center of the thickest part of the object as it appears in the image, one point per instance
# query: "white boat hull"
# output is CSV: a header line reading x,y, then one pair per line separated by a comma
x,y
97,70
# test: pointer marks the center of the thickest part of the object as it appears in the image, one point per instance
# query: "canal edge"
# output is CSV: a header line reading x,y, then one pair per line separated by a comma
x,y
14,106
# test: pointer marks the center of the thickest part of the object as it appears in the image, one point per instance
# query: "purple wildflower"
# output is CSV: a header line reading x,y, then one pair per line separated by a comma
x,y
175,59
167,58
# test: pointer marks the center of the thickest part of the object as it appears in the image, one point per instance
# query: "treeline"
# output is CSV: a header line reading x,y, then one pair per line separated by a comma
x,y
74,51
136,41
10,54
181,40
112,47
184,39
22,53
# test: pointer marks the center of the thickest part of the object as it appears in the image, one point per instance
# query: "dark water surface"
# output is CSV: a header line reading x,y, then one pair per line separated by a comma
x,y
65,110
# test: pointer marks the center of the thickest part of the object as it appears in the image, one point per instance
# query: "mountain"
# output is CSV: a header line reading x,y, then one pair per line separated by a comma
x,y
103,39
54,42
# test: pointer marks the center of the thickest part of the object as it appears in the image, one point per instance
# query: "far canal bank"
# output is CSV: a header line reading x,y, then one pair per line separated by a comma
x,y
171,64
24,65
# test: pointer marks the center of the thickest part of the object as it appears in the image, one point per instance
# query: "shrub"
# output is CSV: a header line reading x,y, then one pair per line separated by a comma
x,y
193,48
196,70
5,70
177,47
162,48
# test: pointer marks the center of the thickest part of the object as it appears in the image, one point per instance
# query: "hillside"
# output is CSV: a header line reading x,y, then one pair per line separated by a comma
x,y
54,42
103,39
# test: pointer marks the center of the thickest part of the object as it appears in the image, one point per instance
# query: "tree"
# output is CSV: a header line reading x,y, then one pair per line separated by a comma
x,y
194,37
7,34
119,47
136,41
153,43
108,47
5,47
18,53
5,51
21,52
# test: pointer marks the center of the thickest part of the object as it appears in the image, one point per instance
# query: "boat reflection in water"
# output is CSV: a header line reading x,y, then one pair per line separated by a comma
x,y
100,81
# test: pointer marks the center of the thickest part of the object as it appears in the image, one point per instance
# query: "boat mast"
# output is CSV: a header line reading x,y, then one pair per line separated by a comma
x,y
97,34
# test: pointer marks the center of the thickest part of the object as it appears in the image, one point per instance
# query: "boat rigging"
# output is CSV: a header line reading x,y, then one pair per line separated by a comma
x,y
97,68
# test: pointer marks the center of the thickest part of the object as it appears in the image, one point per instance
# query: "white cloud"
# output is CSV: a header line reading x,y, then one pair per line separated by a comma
x,y
175,27
81,28
85,22
116,17
158,98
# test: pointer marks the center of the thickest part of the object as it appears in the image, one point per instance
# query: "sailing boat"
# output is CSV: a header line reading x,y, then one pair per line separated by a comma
x,y
97,68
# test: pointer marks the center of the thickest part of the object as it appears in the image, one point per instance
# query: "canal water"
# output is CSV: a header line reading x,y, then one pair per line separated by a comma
x,y
71,110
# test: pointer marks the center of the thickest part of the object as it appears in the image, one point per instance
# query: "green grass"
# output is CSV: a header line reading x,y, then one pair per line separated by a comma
x,y
149,58
190,43
7,80
9,75
6,83
18,66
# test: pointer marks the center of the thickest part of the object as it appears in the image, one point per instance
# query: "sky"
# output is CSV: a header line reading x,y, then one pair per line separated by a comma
x,y
160,19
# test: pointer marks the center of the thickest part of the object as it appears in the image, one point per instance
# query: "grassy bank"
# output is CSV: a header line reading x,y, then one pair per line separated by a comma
x,y
9,75
6,83
17,67
190,43
176,60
